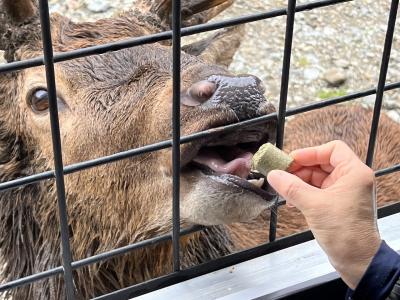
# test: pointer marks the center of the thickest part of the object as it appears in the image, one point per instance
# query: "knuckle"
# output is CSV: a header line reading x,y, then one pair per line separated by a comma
x,y
338,143
368,176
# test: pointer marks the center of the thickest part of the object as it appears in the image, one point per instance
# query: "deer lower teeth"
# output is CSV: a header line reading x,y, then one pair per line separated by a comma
x,y
257,182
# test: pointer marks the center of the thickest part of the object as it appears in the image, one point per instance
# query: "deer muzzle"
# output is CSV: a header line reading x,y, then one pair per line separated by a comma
x,y
244,95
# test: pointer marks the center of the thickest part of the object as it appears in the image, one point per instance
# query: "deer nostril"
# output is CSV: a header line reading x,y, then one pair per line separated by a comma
x,y
202,90
199,93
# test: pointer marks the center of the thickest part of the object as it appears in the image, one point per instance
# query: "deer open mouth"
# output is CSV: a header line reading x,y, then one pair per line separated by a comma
x,y
228,158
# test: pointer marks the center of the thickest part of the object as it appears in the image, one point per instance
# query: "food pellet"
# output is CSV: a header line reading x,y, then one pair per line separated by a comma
x,y
269,158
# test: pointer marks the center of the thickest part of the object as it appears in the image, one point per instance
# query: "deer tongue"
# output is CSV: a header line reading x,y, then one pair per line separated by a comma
x,y
240,165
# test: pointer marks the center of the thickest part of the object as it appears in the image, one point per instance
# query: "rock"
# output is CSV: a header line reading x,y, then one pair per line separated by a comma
x,y
311,74
335,77
329,31
312,59
97,6
342,63
55,7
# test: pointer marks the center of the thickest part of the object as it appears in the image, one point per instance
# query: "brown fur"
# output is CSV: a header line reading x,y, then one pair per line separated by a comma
x,y
114,102
19,10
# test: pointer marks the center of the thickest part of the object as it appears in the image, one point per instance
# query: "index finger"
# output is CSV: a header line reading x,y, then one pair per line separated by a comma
x,y
329,154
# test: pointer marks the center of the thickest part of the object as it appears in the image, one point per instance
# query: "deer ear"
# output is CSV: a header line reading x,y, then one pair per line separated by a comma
x,y
19,25
193,11
218,48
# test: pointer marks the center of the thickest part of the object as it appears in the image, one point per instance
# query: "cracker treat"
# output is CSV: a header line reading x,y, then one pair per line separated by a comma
x,y
269,158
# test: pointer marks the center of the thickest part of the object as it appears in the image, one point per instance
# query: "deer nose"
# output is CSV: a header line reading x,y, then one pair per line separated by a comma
x,y
239,93
243,94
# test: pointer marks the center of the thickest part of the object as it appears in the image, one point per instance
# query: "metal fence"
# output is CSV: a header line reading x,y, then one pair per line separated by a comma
x,y
59,171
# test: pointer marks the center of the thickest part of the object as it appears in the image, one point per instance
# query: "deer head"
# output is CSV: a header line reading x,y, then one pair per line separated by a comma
x,y
118,101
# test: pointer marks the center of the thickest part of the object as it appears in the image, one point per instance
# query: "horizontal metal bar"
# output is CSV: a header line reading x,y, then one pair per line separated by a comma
x,y
95,258
31,278
26,180
123,250
386,171
162,36
188,138
388,210
338,100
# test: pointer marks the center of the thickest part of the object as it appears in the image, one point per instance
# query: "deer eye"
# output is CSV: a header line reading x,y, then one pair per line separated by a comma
x,y
39,100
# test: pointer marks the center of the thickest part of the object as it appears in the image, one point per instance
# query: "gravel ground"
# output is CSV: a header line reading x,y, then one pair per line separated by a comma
x,y
336,49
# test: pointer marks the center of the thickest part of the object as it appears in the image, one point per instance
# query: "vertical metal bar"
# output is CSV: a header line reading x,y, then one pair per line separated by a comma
x,y
176,77
381,83
55,135
283,100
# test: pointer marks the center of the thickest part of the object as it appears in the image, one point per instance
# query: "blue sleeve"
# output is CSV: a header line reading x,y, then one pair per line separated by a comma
x,y
380,277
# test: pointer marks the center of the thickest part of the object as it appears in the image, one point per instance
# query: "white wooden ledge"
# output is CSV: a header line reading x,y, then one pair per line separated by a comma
x,y
269,276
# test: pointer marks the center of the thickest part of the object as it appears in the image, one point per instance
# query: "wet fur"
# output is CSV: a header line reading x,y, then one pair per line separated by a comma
x,y
30,239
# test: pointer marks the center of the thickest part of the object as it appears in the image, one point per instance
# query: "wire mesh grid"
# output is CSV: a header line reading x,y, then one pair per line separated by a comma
x,y
177,32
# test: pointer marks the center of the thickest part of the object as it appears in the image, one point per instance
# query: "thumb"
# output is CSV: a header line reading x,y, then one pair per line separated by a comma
x,y
292,188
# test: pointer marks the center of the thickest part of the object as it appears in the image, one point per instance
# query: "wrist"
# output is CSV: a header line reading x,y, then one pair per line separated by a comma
x,y
353,263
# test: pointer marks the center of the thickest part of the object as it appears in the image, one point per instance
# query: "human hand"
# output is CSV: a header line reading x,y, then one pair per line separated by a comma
x,y
336,193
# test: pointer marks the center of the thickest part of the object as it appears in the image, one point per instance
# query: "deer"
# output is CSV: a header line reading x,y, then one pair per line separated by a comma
x,y
122,100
